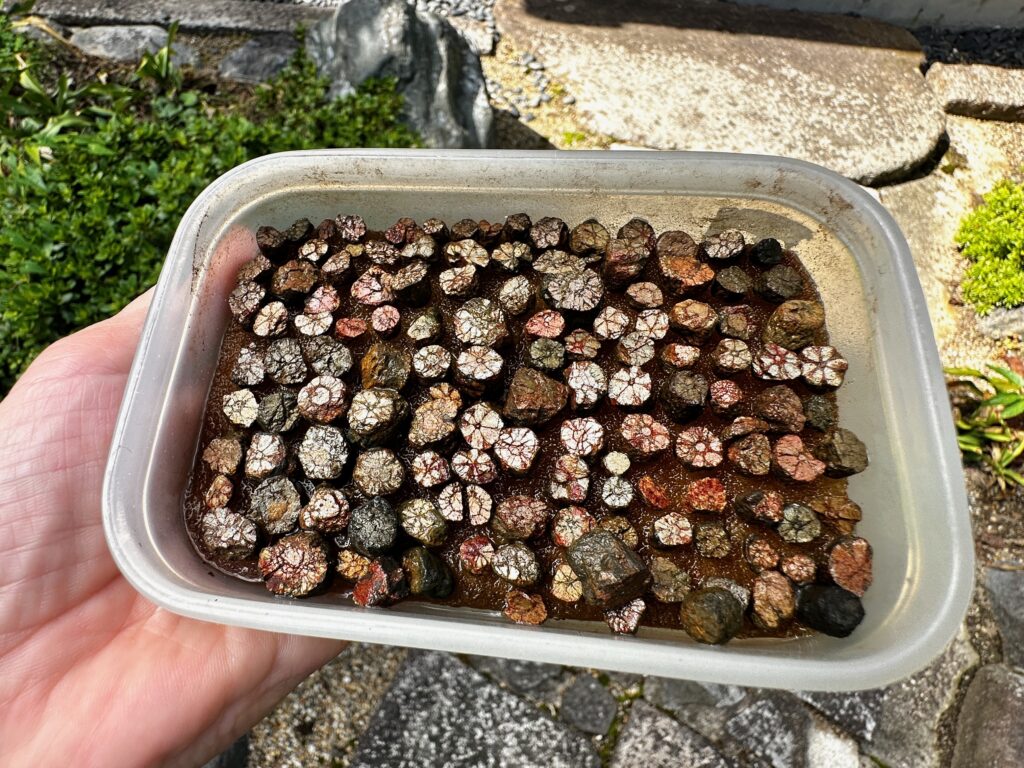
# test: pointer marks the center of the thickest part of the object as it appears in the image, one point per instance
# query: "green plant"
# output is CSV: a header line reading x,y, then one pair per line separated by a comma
x,y
990,422
94,175
992,239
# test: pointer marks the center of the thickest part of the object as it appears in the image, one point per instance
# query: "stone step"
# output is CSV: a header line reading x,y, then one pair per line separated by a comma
x,y
841,92
206,16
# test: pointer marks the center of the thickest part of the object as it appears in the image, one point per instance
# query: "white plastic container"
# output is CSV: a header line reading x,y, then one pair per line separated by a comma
x,y
915,509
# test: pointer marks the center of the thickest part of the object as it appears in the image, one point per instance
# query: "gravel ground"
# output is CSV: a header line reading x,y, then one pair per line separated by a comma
x,y
992,45
532,109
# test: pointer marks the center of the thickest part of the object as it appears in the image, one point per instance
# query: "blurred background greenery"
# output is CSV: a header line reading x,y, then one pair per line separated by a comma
x,y
98,162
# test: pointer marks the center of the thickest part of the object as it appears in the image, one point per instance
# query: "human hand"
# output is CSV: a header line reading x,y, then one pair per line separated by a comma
x,y
91,674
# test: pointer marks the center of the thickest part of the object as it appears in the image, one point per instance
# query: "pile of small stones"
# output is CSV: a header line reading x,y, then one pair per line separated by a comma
x,y
432,404
515,100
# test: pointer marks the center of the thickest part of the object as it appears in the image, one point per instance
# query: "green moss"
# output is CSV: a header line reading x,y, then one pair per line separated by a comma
x,y
97,174
992,239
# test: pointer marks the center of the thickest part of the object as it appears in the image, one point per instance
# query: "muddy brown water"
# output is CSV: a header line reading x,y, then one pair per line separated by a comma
x,y
486,591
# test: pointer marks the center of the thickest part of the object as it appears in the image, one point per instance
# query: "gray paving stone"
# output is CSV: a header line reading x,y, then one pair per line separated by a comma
x,y
1007,591
908,732
846,93
989,730
652,739
784,733
1001,323
588,705
978,90
259,59
856,712
209,15
675,695
128,43
522,676
441,712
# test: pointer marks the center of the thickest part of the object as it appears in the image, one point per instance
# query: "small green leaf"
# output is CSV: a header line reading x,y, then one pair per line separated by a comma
x,y
1009,375
1014,410
965,372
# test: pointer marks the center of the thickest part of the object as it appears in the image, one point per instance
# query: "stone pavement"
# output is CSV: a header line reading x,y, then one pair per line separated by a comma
x,y
844,92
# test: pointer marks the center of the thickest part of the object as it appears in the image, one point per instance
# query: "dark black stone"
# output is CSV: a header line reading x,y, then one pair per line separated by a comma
x,y
711,615
428,575
780,283
612,574
829,609
820,412
731,281
684,394
843,453
766,253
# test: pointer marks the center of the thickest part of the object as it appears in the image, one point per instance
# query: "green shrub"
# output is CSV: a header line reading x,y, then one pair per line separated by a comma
x,y
992,239
96,176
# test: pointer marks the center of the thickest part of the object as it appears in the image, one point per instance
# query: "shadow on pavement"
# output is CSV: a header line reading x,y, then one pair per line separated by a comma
x,y
725,17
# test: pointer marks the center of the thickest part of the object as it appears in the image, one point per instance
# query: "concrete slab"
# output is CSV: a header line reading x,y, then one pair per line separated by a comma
x,y
989,731
846,93
208,16
929,211
978,90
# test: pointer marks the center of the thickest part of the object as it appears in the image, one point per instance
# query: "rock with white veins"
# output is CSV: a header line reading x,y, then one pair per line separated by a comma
x,y
570,479
516,564
587,384
583,436
515,295
516,448
478,368
617,493
241,407
429,469
480,425
323,452
432,422
374,416
481,322
265,456
432,362
629,388
474,466
378,472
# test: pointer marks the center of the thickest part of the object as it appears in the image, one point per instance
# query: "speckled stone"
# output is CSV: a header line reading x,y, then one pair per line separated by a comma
x,y
441,712
319,722
652,739
588,705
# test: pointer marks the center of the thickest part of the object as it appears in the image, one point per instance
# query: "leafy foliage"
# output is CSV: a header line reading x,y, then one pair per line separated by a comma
x,y
991,428
992,238
95,176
